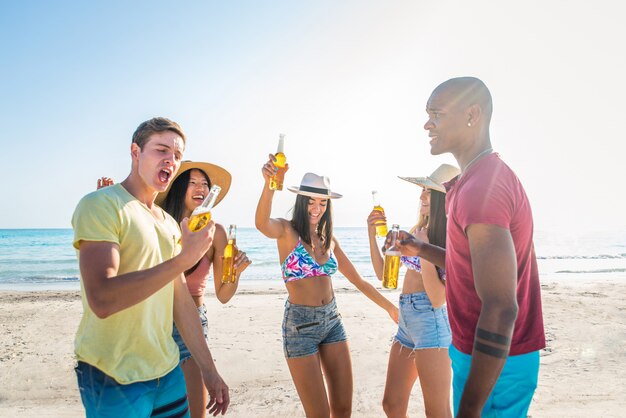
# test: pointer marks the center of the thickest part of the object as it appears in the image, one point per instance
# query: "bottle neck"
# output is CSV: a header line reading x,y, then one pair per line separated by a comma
x,y
375,199
209,201
395,230
281,145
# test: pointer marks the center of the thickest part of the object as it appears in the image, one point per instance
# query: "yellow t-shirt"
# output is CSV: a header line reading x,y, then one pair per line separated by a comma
x,y
136,343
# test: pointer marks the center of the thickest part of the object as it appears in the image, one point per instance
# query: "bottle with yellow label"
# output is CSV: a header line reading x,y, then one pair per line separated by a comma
x,y
392,261
381,226
229,275
201,215
276,181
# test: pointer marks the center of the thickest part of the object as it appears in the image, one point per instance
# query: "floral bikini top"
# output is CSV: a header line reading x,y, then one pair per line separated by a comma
x,y
299,264
414,263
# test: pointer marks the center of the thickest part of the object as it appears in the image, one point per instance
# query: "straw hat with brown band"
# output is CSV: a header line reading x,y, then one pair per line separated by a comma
x,y
217,175
443,174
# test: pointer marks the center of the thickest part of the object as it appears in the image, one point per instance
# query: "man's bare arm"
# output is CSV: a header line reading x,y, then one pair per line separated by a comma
x,y
494,265
188,323
108,293
411,246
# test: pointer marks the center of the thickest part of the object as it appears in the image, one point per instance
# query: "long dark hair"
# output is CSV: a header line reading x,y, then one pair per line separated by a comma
x,y
437,221
300,222
175,201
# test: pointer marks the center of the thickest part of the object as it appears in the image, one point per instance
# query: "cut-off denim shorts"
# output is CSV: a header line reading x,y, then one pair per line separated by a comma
x,y
184,351
305,328
421,326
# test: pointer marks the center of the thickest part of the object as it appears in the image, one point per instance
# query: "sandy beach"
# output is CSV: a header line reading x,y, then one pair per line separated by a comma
x,y
582,369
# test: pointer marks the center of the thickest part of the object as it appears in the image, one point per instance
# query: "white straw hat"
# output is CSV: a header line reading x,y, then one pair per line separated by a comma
x,y
313,185
444,173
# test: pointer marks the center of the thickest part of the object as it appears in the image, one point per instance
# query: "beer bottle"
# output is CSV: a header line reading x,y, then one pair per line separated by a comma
x,y
392,261
230,252
201,215
276,181
381,226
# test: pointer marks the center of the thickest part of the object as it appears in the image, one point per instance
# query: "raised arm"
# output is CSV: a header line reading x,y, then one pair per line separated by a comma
x,y
347,269
377,259
108,293
271,228
494,265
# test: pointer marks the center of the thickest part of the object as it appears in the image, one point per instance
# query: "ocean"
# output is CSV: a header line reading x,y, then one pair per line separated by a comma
x,y
44,259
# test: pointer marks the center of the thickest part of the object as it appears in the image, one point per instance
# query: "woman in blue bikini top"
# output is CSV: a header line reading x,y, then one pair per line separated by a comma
x,y
309,255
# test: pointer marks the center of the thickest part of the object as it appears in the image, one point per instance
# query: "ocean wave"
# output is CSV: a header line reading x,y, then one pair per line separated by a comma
x,y
616,270
583,257
34,261
38,279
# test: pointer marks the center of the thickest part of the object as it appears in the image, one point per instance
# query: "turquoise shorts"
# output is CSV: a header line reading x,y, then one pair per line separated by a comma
x,y
513,392
102,396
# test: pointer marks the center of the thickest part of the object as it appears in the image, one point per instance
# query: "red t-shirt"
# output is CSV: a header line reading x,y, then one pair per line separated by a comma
x,y
490,193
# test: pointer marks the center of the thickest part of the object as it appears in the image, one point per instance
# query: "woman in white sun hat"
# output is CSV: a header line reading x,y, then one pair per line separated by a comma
x,y
314,339
420,347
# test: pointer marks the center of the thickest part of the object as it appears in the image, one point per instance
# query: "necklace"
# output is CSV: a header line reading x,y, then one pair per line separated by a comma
x,y
313,242
476,158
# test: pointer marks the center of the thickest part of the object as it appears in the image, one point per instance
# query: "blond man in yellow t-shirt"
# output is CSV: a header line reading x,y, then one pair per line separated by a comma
x,y
132,288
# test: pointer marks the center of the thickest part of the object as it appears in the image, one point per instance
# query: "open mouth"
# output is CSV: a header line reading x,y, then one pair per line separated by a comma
x,y
198,198
165,175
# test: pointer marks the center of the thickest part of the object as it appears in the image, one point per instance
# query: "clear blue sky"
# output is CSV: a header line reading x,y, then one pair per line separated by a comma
x,y
346,81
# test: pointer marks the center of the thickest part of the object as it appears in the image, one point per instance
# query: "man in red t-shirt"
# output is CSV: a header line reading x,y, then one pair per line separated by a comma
x,y
492,290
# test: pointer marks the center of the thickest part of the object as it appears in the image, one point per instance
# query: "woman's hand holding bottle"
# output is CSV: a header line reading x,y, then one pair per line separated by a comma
x,y
241,262
375,218
269,168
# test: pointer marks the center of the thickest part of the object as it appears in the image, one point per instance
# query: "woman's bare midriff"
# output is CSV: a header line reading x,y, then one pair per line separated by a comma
x,y
413,283
312,291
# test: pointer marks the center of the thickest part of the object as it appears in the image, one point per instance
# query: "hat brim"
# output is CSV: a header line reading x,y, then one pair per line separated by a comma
x,y
424,182
332,195
217,175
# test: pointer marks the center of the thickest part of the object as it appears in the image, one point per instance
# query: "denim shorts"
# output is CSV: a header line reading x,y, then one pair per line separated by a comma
x,y
420,325
184,351
102,396
513,392
305,328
